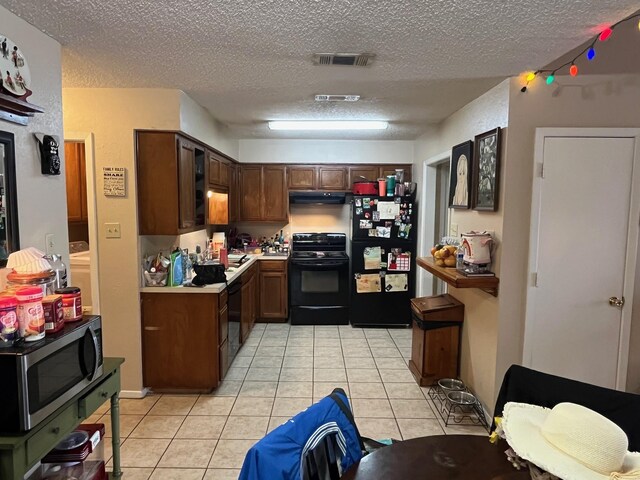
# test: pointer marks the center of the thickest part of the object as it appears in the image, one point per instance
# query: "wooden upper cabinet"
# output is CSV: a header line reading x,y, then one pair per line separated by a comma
x,y
225,172
301,177
391,170
275,201
369,172
233,193
75,172
186,184
251,192
218,169
332,178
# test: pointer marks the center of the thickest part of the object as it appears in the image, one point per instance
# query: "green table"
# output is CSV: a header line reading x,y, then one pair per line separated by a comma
x,y
19,453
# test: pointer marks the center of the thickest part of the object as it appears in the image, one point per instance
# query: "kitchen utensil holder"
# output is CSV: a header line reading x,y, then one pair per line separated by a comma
x,y
453,413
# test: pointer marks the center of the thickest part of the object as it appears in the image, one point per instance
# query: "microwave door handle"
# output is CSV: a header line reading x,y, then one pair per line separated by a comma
x,y
89,335
96,353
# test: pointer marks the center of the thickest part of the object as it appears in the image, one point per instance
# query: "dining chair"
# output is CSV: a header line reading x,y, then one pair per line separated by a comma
x,y
524,385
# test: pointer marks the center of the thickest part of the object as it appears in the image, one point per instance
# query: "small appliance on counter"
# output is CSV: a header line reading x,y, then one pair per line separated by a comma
x,y
477,252
40,377
208,274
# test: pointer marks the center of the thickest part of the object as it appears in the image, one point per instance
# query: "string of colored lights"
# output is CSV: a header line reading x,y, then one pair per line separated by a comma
x,y
589,52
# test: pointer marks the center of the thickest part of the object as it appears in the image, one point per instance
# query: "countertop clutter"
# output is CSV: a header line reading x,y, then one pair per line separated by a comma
x,y
232,274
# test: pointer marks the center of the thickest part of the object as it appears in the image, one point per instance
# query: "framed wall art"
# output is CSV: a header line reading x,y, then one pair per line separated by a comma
x,y
486,171
460,175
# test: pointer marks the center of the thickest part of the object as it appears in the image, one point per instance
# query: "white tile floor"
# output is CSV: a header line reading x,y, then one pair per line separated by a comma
x,y
280,371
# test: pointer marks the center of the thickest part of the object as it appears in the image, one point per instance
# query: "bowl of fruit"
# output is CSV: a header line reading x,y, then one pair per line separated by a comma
x,y
444,255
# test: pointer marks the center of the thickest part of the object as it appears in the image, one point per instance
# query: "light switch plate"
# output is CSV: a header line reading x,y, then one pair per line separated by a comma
x,y
50,243
112,230
453,230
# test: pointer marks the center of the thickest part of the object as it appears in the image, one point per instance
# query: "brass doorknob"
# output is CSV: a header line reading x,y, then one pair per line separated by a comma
x,y
616,302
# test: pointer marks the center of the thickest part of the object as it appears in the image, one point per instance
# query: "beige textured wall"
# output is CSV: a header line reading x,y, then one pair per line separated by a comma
x,y
42,200
112,115
586,101
325,151
480,330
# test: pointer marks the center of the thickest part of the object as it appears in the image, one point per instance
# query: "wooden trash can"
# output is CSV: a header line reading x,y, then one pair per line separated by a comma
x,y
435,346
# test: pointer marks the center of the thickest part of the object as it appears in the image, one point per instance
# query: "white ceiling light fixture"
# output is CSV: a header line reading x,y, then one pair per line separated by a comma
x,y
328,125
337,98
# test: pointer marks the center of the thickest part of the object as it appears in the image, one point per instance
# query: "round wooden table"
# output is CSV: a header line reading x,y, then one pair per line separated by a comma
x,y
438,457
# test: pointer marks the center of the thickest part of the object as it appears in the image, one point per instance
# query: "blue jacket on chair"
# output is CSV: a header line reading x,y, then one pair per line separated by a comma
x,y
280,455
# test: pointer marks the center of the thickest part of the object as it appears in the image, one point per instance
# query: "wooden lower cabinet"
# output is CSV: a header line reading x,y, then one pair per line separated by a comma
x,y
181,341
273,289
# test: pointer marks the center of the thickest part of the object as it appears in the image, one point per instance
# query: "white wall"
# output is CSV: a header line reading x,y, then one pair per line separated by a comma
x,y
198,122
585,101
42,200
479,332
326,151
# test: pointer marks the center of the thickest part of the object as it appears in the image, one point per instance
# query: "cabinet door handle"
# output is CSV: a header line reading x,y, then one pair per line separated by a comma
x,y
152,329
104,394
55,430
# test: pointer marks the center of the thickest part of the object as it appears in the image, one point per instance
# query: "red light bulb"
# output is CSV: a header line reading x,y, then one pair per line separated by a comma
x,y
606,33
573,70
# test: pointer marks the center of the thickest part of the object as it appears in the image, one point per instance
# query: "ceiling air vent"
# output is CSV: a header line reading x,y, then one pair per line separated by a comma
x,y
337,98
348,59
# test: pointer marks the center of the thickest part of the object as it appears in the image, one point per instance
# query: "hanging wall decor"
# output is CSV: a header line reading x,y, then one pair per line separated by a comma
x,y
486,171
460,176
15,83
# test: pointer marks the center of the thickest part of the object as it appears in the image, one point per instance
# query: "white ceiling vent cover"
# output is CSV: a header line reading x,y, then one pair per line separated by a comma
x,y
337,98
346,59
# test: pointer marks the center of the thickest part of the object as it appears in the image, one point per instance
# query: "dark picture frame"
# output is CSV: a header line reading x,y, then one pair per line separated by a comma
x,y
460,182
11,234
486,171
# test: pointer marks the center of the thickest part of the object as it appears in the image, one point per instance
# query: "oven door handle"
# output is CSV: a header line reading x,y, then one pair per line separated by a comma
x,y
320,265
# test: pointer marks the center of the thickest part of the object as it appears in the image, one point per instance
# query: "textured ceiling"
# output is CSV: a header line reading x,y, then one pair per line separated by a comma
x,y
248,61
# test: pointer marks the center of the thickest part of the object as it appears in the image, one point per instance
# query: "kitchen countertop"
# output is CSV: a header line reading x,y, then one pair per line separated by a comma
x,y
216,287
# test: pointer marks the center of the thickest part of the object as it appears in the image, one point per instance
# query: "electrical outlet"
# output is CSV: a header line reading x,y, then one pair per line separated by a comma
x,y
112,230
453,230
50,243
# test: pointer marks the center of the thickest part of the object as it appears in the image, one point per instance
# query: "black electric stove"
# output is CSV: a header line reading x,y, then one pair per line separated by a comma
x,y
319,279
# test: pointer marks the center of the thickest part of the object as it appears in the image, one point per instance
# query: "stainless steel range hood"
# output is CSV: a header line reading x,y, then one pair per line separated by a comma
x,y
317,198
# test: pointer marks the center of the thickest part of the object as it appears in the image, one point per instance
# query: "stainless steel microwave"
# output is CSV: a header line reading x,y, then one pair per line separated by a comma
x,y
39,378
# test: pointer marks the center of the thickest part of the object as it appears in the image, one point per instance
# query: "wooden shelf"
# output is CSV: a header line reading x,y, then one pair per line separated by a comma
x,y
17,110
458,280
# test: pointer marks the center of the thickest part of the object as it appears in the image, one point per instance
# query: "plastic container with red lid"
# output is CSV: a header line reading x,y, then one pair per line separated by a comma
x,y
71,303
30,313
9,326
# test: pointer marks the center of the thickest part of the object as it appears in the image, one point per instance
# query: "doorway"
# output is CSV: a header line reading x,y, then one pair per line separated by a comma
x,y
583,246
433,219
442,215
81,219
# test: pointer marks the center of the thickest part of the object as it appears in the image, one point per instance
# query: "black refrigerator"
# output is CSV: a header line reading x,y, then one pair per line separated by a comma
x,y
383,260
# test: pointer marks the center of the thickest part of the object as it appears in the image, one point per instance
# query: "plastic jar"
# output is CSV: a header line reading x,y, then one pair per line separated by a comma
x,y
9,326
30,313
71,303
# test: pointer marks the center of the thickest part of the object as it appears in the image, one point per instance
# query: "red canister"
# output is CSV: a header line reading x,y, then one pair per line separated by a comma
x,y
53,313
71,303
9,327
30,313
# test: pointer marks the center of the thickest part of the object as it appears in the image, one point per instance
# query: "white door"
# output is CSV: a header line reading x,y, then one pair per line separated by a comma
x,y
579,258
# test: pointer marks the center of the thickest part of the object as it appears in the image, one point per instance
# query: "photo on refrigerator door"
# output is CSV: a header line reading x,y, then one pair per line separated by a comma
x,y
368,283
396,282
